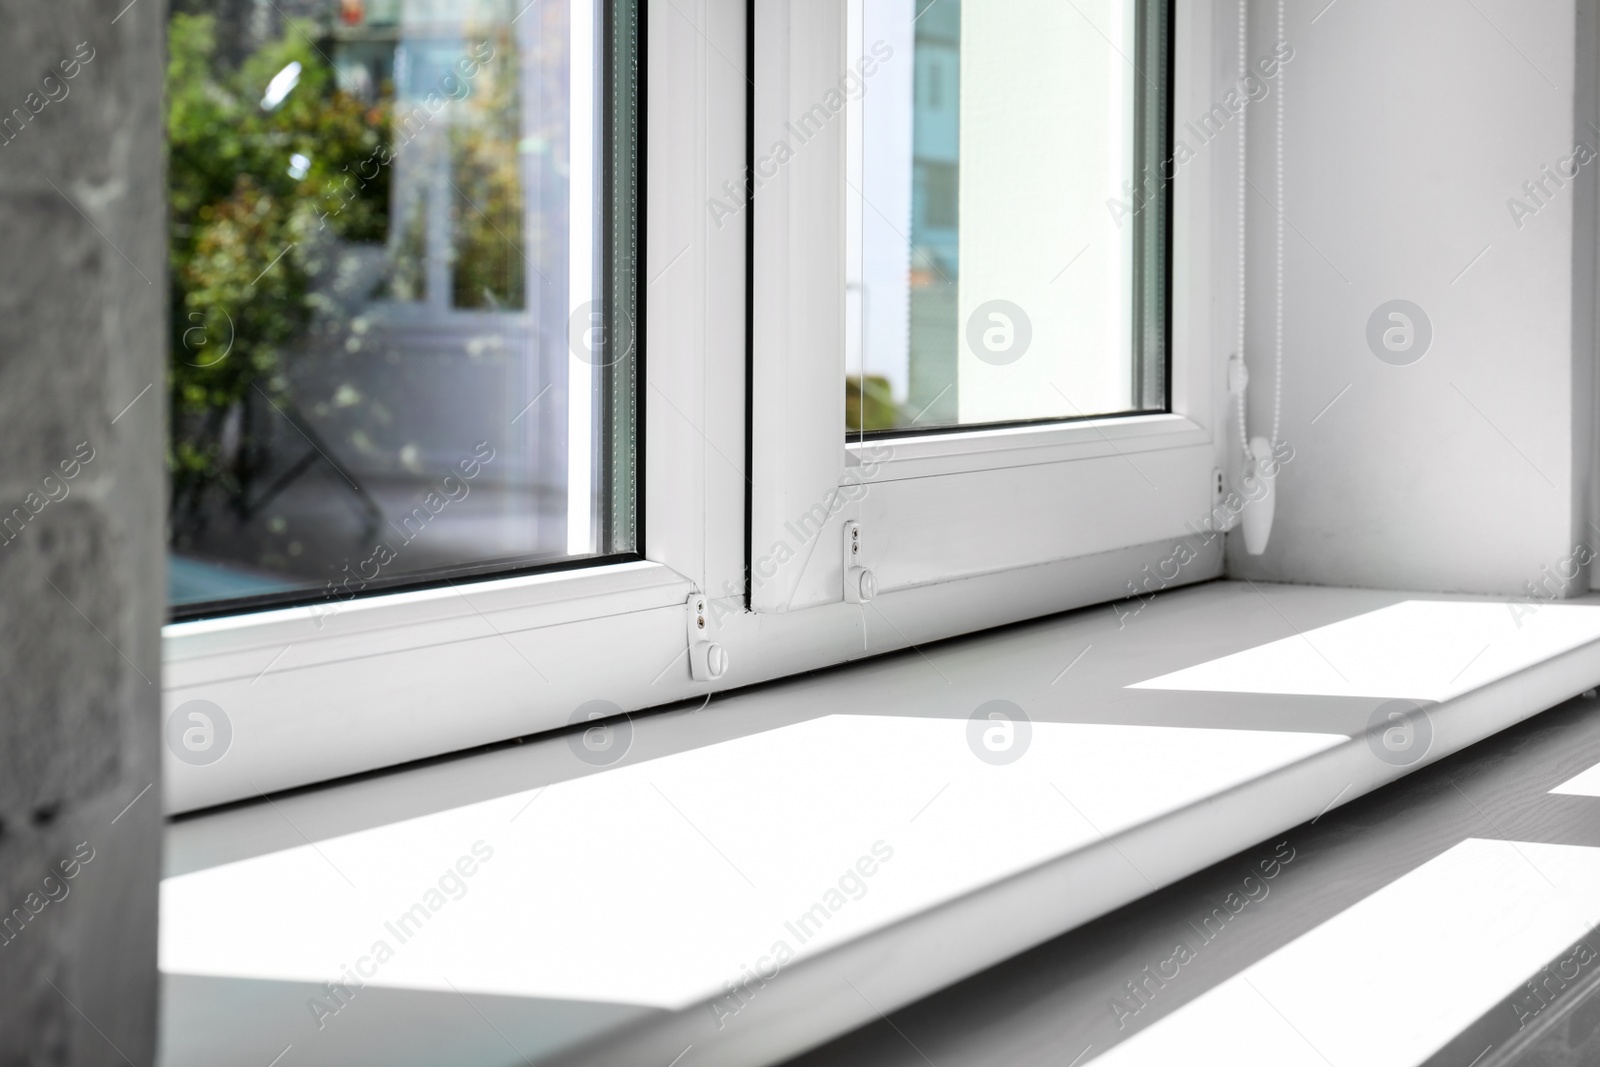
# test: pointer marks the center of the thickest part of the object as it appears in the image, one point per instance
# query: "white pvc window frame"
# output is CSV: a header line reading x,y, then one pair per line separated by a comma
x,y
1049,517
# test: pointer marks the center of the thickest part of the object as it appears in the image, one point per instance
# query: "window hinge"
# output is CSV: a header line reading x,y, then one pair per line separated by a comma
x,y
860,585
708,660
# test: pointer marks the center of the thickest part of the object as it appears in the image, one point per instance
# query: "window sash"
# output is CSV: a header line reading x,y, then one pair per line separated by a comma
x,y
1082,483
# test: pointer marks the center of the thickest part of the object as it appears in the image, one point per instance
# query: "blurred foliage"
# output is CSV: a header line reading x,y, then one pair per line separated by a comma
x,y
248,230
488,268
880,410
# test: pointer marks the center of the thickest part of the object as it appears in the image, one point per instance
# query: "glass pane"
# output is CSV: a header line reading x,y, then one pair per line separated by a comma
x,y
402,255
1006,260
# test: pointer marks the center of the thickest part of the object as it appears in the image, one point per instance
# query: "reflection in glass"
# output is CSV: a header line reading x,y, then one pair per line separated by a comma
x,y
384,215
991,275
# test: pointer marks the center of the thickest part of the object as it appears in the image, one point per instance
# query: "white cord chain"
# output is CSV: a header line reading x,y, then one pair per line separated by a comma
x,y
1277,369
1244,123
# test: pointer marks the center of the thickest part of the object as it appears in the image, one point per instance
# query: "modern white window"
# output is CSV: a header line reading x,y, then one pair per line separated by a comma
x,y
725,289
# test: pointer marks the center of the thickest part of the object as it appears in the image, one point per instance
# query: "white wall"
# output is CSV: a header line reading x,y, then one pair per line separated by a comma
x,y
1409,127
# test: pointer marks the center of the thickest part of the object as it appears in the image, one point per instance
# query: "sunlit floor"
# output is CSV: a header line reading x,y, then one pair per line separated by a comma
x,y
855,835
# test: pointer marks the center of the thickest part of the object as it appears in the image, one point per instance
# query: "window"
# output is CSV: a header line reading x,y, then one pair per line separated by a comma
x,y
403,248
1009,260
728,466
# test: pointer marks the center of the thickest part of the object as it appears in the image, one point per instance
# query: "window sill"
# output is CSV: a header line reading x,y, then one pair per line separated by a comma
x,y
622,902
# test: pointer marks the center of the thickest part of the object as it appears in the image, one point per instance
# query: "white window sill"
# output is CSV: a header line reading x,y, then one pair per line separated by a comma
x,y
619,901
